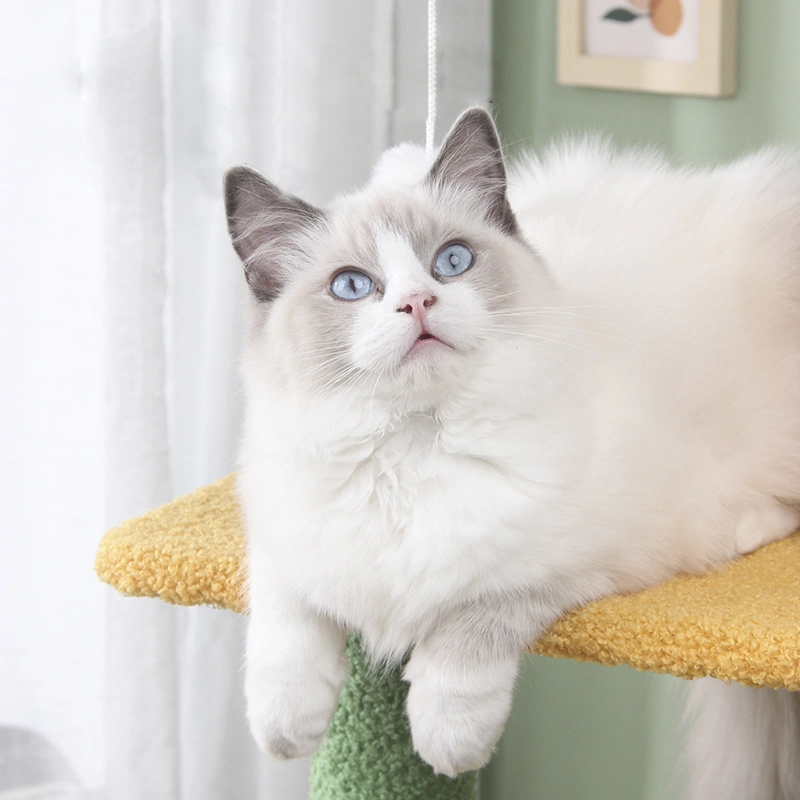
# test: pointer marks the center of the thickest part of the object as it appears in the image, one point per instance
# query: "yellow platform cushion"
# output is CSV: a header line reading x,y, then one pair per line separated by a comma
x,y
740,623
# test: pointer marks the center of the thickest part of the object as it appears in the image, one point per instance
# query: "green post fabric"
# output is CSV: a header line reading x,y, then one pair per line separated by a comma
x,y
367,753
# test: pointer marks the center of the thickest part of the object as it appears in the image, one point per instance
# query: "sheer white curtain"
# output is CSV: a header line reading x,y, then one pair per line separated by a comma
x,y
119,301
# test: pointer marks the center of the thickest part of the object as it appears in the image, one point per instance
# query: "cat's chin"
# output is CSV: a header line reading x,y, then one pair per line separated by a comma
x,y
429,374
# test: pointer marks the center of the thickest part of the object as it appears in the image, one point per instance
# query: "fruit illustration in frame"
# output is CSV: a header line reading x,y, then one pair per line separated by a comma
x,y
666,16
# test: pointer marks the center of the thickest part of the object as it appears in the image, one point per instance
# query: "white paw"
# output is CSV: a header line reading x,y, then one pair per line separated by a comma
x,y
760,526
289,706
455,727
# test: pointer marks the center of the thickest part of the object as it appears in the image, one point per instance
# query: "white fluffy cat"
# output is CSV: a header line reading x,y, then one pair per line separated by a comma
x,y
473,407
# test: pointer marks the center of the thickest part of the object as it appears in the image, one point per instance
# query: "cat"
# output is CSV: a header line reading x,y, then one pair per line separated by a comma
x,y
474,403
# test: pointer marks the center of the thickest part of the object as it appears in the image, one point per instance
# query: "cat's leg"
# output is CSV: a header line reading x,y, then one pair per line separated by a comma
x,y
458,711
768,523
295,669
462,681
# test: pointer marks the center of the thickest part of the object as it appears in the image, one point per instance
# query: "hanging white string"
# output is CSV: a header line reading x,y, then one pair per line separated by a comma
x,y
430,122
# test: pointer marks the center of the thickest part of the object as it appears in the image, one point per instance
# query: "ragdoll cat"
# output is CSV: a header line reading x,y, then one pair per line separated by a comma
x,y
473,407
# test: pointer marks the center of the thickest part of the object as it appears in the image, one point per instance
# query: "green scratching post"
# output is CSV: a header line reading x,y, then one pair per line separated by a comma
x,y
367,753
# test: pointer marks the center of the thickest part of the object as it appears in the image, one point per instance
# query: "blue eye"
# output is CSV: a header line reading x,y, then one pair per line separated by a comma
x,y
453,260
352,285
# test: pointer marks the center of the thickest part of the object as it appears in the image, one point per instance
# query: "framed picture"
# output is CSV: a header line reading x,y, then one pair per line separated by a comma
x,y
668,46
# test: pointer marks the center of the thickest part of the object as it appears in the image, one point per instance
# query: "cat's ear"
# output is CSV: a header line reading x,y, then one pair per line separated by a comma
x,y
266,226
471,160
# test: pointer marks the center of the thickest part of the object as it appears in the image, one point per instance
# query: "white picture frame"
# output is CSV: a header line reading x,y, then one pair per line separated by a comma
x,y
705,66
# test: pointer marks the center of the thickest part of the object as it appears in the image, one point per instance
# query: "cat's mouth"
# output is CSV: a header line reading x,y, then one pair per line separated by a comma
x,y
427,341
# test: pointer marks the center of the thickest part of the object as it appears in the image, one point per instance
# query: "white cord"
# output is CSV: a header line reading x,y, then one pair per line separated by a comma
x,y
430,122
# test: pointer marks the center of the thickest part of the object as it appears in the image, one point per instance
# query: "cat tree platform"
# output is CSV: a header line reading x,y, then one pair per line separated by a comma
x,y
739,623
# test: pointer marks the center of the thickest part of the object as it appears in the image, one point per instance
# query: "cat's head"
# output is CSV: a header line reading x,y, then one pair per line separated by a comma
x,y
396,291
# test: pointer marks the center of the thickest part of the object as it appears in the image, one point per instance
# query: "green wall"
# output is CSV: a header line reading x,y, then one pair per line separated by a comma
x,y
586,732
532,109
577,731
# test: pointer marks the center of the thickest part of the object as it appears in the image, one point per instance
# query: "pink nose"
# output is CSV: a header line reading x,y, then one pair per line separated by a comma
x,y
417,305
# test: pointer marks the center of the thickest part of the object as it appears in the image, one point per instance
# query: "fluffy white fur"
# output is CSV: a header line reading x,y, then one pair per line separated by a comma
x,y
613,400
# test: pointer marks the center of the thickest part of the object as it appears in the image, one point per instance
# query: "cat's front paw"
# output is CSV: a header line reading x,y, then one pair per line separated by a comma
x,y
289,707
456,722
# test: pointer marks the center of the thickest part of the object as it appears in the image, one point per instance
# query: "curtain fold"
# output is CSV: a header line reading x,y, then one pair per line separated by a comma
x,y
52,471
120,317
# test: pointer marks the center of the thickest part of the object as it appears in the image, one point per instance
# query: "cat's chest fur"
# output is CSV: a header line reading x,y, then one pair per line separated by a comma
x,y
403,522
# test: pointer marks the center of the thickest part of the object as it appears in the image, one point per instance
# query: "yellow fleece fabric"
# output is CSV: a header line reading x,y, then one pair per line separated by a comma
x,y
741,622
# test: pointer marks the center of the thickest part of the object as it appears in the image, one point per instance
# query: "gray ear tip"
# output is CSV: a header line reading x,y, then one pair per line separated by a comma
x,y
239,174
477,116
476,121
242,184
478,113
